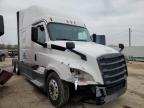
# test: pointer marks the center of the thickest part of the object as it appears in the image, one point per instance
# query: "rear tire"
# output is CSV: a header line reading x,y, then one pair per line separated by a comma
x,y
2,58
16,68
57,90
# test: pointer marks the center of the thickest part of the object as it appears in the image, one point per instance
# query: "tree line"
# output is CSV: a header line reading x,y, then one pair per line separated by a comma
x,y
4,46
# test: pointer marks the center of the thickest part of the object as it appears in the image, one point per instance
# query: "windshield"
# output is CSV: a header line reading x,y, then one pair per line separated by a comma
x,y
65,32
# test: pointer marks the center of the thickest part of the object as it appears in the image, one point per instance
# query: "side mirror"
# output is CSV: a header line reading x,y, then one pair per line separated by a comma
x,y
1,25
70,45
93,36
99,39
34,34
121,46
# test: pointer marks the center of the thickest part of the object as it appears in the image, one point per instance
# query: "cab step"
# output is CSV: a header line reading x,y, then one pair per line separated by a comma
x,y
37,83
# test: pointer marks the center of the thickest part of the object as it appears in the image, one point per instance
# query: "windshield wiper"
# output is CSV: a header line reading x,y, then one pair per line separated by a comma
x,y
81,40
71,40
63,39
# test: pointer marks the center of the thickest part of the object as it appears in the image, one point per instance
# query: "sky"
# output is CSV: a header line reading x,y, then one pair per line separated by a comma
x,y
112,18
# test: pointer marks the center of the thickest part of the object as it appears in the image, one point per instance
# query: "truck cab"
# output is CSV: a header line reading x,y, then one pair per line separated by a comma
x,y
56,51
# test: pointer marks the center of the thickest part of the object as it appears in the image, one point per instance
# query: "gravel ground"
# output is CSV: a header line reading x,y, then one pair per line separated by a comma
x,y
19,93
6,63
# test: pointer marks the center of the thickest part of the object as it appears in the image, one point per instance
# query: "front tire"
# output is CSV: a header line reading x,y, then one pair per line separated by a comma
x,y
57,90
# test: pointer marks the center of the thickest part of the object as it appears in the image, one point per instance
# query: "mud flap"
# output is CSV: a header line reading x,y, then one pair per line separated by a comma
x,y
5,76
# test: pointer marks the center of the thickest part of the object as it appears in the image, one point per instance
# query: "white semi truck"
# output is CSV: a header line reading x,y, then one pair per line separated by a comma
x,y
56,51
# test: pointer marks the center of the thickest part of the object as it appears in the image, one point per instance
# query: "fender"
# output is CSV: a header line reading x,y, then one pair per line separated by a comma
x,y
60,70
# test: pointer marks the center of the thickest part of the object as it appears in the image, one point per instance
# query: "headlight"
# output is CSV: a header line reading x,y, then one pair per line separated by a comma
x,y
81,75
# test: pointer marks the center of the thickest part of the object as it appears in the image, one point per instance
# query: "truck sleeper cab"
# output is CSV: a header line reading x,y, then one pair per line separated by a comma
x,y
56,50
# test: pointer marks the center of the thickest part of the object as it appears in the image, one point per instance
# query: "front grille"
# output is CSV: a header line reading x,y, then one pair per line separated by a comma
x,y
113,68
114,88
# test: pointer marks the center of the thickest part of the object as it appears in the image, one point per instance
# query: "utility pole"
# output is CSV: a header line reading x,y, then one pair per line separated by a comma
x,y
130,37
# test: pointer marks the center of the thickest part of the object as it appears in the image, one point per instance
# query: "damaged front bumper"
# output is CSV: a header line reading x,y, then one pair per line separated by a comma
x,y
106,94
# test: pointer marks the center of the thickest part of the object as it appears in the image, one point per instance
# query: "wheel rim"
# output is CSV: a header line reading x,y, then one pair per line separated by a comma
x,y
16,69
53,89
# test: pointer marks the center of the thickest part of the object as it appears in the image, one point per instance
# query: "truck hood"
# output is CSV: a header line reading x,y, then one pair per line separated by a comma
x,y
88,48
92,51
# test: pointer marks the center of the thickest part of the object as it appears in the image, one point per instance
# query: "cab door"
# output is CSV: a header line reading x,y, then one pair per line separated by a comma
x,y
39,46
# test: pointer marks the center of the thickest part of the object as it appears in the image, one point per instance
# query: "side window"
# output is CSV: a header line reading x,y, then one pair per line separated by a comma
x,y
41,34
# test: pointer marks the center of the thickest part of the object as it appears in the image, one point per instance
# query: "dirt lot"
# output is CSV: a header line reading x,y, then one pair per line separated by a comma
x,y
6,63
19,93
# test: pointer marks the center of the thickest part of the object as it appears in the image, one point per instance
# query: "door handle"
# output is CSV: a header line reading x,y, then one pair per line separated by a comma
x,y
35,57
